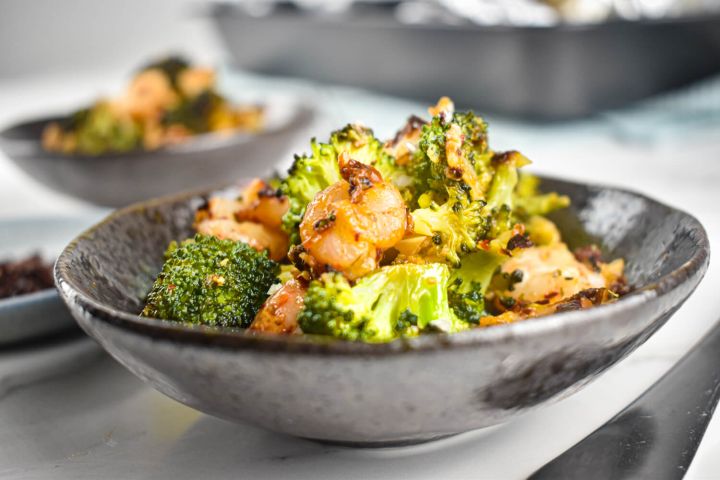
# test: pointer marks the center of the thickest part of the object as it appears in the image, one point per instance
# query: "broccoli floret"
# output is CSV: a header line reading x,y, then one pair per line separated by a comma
x,y
210,281
500,200
454,231
312,173
396,301
308,175
468,284
457,226
100,130
439,180
463,190
359,142
529,201
194,113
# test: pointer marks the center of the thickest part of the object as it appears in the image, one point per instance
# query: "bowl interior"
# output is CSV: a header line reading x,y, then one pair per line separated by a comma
x,y
115,263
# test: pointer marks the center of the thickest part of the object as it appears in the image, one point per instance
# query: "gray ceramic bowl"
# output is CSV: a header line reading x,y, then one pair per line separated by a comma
x,y
401,392
120,179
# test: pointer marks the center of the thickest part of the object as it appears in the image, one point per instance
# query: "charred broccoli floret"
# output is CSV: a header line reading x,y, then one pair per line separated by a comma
x,y
396,301
361,145
453,231
463,191
465,173
211,282
359,142
309,174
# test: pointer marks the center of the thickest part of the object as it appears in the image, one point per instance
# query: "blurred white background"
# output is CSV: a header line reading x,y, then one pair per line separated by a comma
x,y
49,36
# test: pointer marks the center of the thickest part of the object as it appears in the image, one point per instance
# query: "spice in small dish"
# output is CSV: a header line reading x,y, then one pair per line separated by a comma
x,y
28,275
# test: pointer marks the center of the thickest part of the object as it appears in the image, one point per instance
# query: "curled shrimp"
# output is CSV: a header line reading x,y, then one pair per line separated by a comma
x,y
255,219
262,204
444,107
550,273
148,95
405,142
280,311
348,225
257,235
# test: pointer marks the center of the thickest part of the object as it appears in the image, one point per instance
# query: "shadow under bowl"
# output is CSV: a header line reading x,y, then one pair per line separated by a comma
x,y
382,394
119,179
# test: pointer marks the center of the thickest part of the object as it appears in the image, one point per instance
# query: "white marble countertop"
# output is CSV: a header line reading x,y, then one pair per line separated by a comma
x,y
69,411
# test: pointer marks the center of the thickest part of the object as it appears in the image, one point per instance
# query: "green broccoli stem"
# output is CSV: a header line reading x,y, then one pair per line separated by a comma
x,y
395,301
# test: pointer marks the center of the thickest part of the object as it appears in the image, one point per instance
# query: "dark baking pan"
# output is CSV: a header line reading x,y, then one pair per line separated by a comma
x,y
555,72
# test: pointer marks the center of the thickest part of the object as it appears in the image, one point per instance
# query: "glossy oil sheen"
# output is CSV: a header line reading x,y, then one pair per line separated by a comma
x,y
405,391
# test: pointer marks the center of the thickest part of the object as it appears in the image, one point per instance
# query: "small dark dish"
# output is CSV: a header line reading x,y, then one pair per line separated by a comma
x,y
119,179
378,394
40,313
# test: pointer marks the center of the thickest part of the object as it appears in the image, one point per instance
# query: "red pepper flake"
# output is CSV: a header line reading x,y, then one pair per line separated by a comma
x,y
519,241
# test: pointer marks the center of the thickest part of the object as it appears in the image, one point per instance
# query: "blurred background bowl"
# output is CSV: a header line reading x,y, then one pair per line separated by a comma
x,y
538,72
119,179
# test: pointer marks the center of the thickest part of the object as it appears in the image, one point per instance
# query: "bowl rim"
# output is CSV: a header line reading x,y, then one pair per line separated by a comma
x,y
303,112
236,338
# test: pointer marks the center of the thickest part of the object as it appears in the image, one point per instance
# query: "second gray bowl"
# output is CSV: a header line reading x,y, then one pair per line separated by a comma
x,y
378,394
115,180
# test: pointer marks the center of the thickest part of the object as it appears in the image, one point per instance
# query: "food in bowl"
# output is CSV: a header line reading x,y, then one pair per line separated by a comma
x,y
166,102
431,231
23,276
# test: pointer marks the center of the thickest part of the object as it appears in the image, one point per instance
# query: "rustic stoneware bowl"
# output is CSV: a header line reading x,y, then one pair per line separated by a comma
x,y
116,180
402,392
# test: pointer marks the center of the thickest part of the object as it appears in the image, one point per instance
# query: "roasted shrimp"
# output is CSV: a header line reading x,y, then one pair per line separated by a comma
x,y
404,144
262,204
254,234
254,220
150,93
348,225
279,312
550,273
